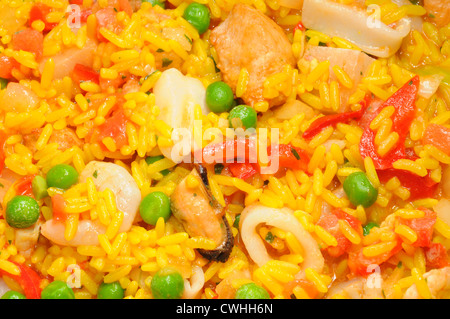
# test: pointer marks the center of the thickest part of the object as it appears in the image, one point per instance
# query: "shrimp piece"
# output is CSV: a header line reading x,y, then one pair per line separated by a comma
x,y
438,281
440,10
249,39
358,288
65,138
127,194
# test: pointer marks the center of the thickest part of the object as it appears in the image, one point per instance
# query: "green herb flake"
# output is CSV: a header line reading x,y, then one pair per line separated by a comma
x,y
218,169
269,237
95,174
189,39
166,62
294,151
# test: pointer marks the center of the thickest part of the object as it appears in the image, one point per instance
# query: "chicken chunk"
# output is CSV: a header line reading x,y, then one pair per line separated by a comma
x,y
439,10
249,39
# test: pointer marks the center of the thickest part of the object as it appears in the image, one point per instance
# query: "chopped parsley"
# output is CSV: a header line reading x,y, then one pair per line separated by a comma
x,y
166,62
95,174
294,151
269,237
189,39
218,169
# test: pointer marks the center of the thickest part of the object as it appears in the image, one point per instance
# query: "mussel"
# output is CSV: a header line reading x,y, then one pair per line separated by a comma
x,y
202,215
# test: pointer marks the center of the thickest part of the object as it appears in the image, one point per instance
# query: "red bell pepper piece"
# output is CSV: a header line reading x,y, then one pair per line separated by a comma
x,y
289,156
245,151
242,170
231,151
28,279
321,123
299,26
39,12
82,73
418,186
58,206
404,103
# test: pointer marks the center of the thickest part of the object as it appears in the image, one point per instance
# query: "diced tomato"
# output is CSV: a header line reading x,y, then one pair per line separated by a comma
x,y
28,279
115,83
436,256
363,266
124,5
78,2
106,18
114,127
307,286
423,227
289,156
403,101
39,11
7,64
58,207
438,136
418,186
330,223
23,186
82,73
29,40
242,170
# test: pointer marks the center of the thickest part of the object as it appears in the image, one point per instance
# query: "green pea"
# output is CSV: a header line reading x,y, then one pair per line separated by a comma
x,y
198,15
152,159
22,211
251,291
156,3
57,290
359,190
39,187
219,97
242,116
167,283
154,206
368,227
13,295
3,83
62,176
111,290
